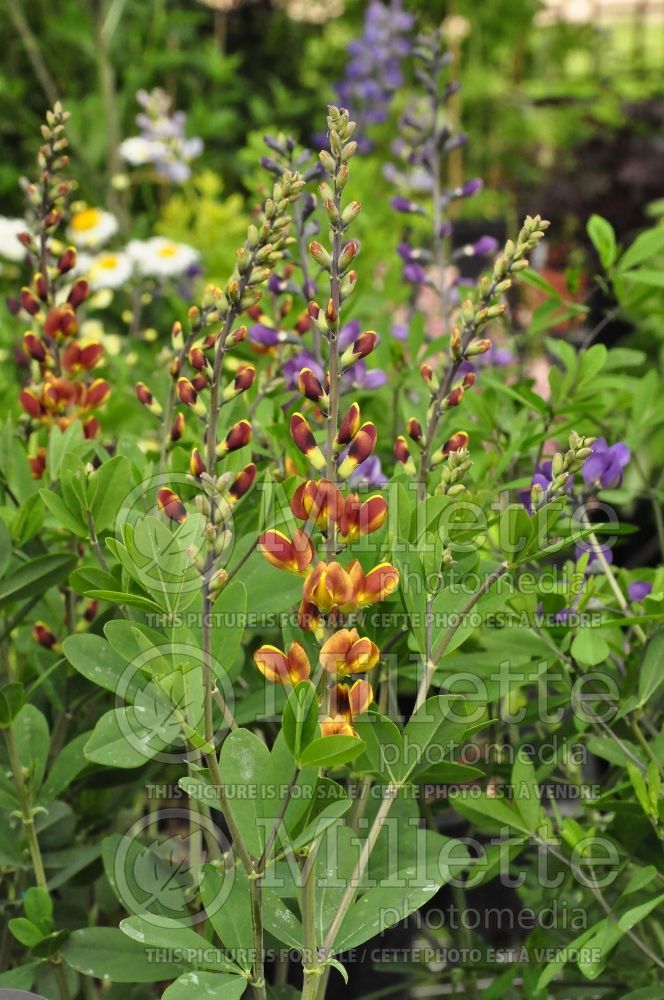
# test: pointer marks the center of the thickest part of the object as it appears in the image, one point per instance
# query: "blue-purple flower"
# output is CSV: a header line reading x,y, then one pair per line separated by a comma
x,y
639,589
369,473
605,466
162,142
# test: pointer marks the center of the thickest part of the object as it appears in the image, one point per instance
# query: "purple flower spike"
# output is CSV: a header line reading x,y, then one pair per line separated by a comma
x,y
605,466
639,589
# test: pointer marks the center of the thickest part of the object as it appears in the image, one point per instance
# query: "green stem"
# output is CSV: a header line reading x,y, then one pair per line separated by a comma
x,y
312,970
26,810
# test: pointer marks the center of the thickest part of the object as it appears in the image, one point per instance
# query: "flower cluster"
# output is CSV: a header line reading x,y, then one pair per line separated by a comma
x,y
162,142
446,391
332,589
61,387
196,376
373,73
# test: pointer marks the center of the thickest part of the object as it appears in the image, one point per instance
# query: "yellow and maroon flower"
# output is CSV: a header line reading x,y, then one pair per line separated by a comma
x,y
283,668
317,500
414,429
144,396
346,703
348,427
196,463
78,293
359,349
457,442
310,387
295,556
361,447
361,517
238,436
96,394
374,586
243,380
60,322
242,483
304,439
172,506
187,394
309,619
329,587
81,357
346,653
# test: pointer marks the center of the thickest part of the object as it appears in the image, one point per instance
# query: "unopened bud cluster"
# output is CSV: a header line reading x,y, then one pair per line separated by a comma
x,y
563,465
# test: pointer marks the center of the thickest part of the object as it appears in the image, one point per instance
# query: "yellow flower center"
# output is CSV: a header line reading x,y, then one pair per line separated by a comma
x,y
169,250
108,263
86,220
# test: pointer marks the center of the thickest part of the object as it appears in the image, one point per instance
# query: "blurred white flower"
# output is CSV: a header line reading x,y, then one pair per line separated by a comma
x,y
112,269
91,227
10,248
159,257
138,151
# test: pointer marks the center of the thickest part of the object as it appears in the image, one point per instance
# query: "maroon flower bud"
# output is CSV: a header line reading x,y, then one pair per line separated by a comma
x,y
243,483
457,442
78,293
42,634
177,430
29,302
238,335
90,612
238,436
469,379
360,448
414,429
67,261
34,347
41,287
426,371
170,503
197,358
348,427
304,439
311,388
454,398
177,336
31,404
401,451
196,463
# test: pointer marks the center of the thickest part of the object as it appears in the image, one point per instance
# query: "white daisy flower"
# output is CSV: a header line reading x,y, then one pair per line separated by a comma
x,y
91,227
138,151
10,248
111,269
159,257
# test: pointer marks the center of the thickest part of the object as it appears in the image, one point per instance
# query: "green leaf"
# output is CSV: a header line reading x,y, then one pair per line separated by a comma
x,y
35,577
589,648
32,738
515,532
121,739
20,978
107,488
609,932
163,932
63,513
38,907
123,597
645,246
383,743
651,674
25,931
526,792
603,238
300,718
106,953
12,697
431,734
93,657
68,765
229,909
206,986
332,751
244,763
229,612
487,813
